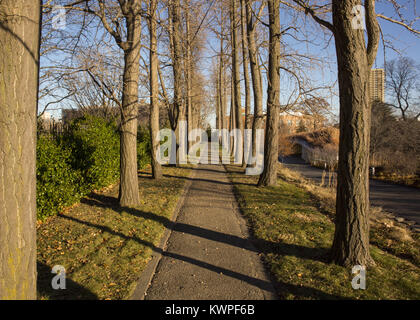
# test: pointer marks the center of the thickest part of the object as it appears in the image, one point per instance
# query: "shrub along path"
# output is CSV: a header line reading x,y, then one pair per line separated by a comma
x,y
209,254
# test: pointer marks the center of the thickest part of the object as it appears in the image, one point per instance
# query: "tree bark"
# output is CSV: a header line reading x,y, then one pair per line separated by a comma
x,y
236,77
188,71
269,175
129,188
351,239
255,76
175,16
19,66
154,92
222,78
245,53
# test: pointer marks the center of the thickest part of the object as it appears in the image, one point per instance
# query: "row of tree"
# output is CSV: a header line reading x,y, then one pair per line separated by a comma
x,y
121,22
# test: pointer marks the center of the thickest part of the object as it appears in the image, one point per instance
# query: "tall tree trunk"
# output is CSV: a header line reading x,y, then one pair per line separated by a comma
x,y
19,66
232,122
236,78
248,124
218,99
129,187
222,78
256,77
269,175
188,71
245,54
351,240
175,16
154,92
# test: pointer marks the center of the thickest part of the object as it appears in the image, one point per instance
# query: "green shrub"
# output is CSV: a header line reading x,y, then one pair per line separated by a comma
x,y
95,146
57,182
85,158
144,147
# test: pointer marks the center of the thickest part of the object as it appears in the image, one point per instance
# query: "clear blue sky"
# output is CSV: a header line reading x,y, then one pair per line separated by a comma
x,y
407,43
324,72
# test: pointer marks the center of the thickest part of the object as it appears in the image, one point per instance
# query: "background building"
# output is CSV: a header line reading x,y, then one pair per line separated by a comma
x,y
377,85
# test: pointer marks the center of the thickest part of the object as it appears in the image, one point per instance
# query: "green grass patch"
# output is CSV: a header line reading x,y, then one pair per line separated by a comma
x,y
105,247
294,237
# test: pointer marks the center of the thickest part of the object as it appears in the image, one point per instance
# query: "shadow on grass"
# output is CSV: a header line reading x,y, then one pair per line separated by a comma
x,y
73,291
264,246
264,285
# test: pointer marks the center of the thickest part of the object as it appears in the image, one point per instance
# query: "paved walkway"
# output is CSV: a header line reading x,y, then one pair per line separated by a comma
x,y
208,254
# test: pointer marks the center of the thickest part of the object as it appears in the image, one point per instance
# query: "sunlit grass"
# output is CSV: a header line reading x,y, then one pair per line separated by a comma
x,y
294,231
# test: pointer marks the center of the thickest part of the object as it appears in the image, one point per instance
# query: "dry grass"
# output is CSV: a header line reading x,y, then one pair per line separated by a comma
x,y
327,136
105,247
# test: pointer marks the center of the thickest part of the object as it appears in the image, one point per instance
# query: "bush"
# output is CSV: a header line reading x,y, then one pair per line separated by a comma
x,y
95,146
58,185
85,158
144,147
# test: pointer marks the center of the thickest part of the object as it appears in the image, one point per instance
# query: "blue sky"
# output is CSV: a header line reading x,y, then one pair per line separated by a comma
x,y
324,72
407,43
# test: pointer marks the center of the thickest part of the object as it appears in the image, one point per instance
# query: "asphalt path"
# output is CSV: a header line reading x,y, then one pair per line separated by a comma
x,y
400,200
209,254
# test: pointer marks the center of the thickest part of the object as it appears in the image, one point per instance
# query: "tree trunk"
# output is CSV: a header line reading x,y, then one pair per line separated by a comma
x,y
232,122
19,66
129,187
222,80
236,77
218,99
245,53
154,92
269,175
175,16
256,77
188,72
351,240
248,123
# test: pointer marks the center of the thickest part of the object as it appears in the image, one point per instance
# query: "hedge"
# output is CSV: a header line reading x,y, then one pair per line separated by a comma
x,y
85,158
95,146
58,185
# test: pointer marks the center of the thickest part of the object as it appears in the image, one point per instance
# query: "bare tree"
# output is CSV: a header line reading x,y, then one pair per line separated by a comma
x,y
269,175
251,24
154,91
122,21
19,67
245,58
402,82
236,90
177,58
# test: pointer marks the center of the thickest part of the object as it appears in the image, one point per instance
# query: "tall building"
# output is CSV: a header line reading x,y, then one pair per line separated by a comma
x,y
377,85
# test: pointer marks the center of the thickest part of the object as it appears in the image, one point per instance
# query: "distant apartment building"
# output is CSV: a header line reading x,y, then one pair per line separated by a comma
x,y
377,85
293,122
299,121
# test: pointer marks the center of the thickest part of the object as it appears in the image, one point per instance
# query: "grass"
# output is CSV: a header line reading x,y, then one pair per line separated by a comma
x,y
105,247
410,180
292,226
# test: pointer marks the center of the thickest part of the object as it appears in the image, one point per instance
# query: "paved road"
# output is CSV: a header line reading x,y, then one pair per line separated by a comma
x,y
208,254
400,200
